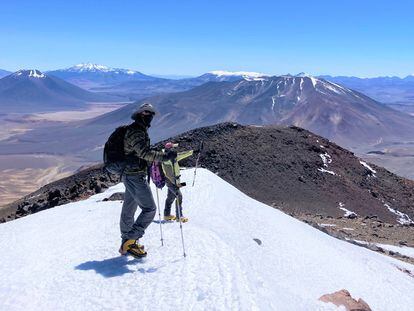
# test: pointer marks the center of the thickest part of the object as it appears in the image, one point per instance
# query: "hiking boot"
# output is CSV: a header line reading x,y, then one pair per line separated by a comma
x,y
133,248
183,219
169,217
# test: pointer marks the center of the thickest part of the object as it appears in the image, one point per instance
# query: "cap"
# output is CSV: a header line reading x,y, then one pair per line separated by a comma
x,y
144,107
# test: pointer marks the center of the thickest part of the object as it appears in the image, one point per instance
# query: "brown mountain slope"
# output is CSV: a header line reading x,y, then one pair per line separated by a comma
x,y
283,167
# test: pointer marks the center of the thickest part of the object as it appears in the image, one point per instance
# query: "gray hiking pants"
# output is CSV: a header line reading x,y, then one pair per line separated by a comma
x,y
137,193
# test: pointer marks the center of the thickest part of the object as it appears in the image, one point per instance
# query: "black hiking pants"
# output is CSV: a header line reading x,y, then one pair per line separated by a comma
x,y
173,193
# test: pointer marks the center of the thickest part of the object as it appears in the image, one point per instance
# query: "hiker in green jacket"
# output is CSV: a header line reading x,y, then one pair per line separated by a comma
x,y
172,180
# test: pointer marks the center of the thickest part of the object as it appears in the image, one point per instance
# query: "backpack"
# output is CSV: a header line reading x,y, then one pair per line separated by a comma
x,y
113,155
157,175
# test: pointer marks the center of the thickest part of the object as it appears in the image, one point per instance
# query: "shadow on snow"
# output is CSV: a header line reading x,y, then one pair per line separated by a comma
x,y
113,267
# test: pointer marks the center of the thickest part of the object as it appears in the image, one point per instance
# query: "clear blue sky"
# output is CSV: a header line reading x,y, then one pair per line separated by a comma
x,y
362,38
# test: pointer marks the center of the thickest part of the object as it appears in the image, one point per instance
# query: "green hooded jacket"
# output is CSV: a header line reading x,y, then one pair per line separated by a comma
x,y
168,170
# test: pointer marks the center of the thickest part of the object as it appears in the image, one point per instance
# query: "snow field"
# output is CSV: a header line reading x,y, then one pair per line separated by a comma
x,y
66,259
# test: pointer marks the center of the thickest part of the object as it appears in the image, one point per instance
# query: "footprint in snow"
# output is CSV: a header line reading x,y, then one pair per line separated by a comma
x,y
259,242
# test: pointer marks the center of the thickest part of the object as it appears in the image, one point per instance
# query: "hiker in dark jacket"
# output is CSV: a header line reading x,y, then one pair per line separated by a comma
x,y
137,192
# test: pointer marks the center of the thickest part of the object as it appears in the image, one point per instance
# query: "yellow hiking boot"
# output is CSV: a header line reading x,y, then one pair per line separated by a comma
x,y
183,219
169,218
133,248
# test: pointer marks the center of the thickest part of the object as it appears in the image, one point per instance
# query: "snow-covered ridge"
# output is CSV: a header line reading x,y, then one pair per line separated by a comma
x,y
32,73
244,74
45,256
90,67
303,75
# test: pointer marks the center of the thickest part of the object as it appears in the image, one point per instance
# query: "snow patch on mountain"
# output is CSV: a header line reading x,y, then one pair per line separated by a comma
x,y
348,213
403,218
90,67
245,74
303,75
373,172
31,73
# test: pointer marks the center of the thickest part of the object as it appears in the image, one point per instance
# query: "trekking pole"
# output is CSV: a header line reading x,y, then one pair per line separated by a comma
x,y
159,216
198,158
178,205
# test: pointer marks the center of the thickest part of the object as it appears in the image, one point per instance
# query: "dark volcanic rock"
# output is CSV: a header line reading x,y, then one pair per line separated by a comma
x,y
119,196
69,189
283,167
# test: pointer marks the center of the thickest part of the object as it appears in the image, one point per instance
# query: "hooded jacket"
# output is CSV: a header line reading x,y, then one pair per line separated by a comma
x,y
169,171
137,149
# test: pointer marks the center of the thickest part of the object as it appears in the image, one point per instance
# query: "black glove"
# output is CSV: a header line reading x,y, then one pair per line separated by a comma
x,y
170,155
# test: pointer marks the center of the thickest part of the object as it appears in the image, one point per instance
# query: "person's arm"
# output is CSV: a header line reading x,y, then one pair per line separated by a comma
x,y
183,155
167,168
136,140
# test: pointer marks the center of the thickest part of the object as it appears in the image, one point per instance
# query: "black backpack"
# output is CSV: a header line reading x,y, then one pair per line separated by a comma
x,y
114,156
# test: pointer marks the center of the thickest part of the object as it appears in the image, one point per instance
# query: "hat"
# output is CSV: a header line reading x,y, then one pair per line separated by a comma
x,y
144,107
170,145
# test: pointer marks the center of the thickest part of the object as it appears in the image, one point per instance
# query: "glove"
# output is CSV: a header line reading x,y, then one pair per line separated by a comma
x,y
170,155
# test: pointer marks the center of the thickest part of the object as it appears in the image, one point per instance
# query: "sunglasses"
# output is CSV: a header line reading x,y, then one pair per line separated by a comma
x,y
146,112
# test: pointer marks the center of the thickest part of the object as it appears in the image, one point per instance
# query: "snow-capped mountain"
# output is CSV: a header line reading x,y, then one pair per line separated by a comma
x,y
326,108
221,75
139,88
88,75
241,255
34,91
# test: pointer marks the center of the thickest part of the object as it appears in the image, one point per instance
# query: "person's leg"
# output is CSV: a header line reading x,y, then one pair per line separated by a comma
x,y
169,201
143,196
129,208
179,202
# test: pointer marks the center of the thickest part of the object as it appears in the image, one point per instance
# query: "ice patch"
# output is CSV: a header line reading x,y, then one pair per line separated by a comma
x,y
326,171
36,74
314,81
273,101
373,172
326,159
347,212
333,87
403,219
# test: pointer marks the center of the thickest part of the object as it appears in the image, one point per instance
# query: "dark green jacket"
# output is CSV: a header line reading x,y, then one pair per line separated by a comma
x,y
137,149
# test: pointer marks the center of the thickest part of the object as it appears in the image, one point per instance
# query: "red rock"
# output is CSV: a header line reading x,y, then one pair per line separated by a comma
x,y
344,298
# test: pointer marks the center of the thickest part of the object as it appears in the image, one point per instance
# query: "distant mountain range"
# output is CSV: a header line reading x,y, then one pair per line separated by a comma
x,y
134,85
33,91
394,91
335,112
87,75
4,73
138,89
